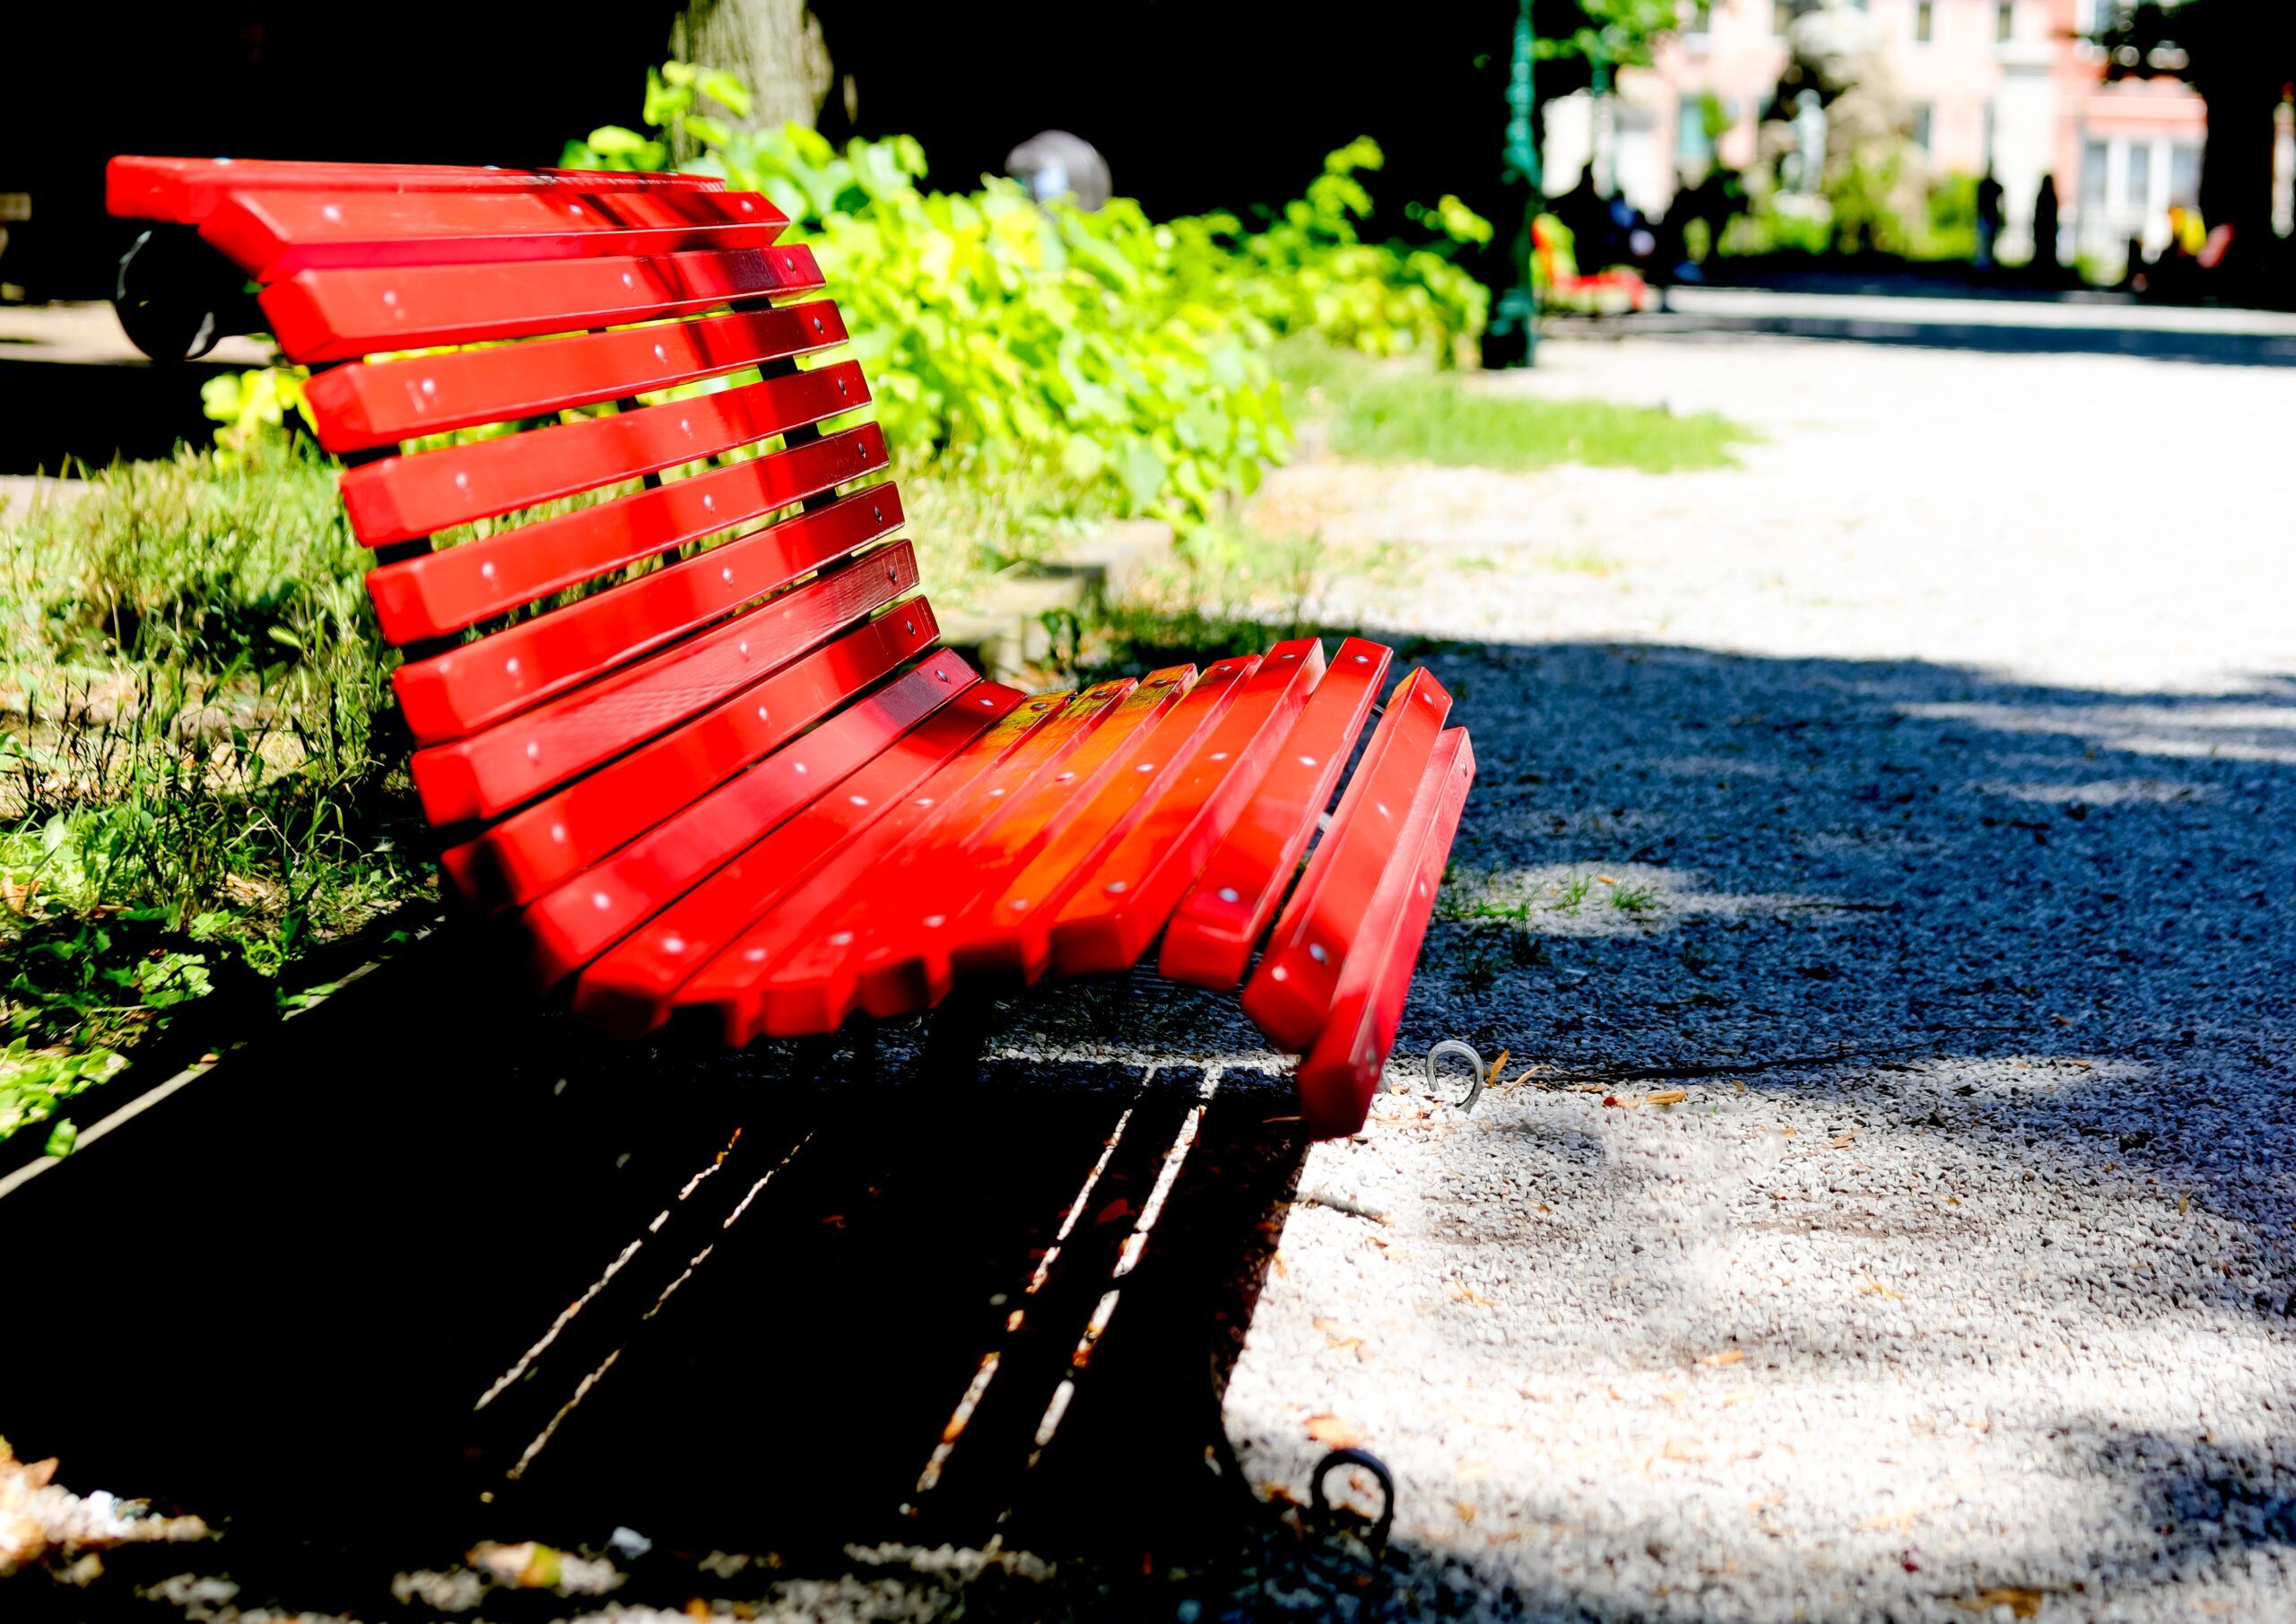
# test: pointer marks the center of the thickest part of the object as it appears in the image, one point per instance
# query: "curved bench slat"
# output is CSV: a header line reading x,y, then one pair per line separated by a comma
x,y
521,757
1106,925
345,313
185,190
522,855
1211,934
1290,994
404,498
728,989
450,695
448,590
627,991
277,233
579,919
367,404
1341,1072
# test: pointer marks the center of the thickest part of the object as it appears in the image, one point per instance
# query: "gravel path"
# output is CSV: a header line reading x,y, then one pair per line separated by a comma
x,y
1911,803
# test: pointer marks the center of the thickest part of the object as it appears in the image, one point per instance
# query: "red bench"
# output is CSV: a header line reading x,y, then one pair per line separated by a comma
x,y
735,781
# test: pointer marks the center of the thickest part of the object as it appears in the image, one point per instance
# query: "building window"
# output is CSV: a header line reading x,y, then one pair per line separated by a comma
x,y
1923,116
2096,179
2142,190
2004,21
1925,21
1701,20
2184,176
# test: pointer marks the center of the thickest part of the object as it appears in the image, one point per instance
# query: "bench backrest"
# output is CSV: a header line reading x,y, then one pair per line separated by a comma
x,y
617,411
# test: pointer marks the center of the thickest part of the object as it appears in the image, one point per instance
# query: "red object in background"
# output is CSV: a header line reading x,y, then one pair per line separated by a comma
x,y
688,738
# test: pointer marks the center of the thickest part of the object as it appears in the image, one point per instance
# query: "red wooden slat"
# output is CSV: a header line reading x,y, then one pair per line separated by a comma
x,y
730,987
1289,995
186,190
489,773
339,315
470,686
591,912
402,497
1342,1072
627,991
904,964
274,234
1210,936
381,402
438,593
812,989
534,849
1106,925
1010,936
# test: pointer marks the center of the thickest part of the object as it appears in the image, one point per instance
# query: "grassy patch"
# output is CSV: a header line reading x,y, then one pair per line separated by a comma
x,y
1231,591
197,781
1392,413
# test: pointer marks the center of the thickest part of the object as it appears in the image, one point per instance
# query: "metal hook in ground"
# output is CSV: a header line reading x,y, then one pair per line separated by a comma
x,y
1466,1052
1319,1504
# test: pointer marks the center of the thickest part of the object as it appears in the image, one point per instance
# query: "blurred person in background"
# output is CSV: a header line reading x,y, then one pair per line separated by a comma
x,y
1988,217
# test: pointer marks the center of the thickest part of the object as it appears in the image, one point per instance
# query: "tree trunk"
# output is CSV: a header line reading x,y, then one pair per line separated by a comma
x,y
774,47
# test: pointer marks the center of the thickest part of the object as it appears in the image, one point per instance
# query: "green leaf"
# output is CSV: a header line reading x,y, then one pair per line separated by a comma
x,y
613,141
708,131
1143,474
726,90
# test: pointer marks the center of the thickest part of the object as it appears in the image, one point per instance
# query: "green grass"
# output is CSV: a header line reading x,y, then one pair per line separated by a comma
x,y
1385,412
197,785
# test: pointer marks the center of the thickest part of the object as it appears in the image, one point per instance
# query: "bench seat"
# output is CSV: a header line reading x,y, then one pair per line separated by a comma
x,y
678,711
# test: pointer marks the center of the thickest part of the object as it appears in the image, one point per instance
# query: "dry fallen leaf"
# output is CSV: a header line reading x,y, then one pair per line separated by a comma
x,y
1874,1288
1728,1356
1682,1449
2022,1602
525,1565
1901,1521
1669,1096
1334,1432
1462,1292
1465,1511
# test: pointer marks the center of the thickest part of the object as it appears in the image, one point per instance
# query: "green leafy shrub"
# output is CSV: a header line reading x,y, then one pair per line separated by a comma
x,y
1951,227
1124,355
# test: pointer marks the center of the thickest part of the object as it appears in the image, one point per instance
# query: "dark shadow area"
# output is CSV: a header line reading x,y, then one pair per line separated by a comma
x,y
61,412
415,1272
739,1306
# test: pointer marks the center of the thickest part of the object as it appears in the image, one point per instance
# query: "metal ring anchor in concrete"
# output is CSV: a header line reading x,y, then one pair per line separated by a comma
x,y
1319,1504
1464,1051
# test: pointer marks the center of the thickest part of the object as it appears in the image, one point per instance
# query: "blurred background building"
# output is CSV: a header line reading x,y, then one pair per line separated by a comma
x,y
2014,86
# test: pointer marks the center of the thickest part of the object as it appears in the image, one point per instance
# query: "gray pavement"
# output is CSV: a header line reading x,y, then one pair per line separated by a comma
x,y
1878,876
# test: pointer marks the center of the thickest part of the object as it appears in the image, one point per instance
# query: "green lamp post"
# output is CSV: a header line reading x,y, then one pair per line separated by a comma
x,y
1513,340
